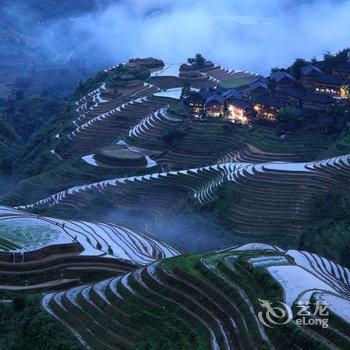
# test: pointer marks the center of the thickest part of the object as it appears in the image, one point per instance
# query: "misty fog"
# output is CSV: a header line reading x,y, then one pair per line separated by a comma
x,y
195,231
253,35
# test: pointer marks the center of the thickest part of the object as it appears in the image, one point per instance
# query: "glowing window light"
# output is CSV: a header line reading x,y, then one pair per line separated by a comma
x,y
236,115
257,108
344,91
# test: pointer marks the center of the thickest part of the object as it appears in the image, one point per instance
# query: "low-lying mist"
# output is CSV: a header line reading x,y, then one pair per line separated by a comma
x,y
189,232
52,45
241,34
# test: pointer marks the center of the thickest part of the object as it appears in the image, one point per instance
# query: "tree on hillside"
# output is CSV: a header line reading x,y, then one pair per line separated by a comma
x,y
328,232
289,118
186,91
344,256
197,60
277,69
332,61
191,60
294,69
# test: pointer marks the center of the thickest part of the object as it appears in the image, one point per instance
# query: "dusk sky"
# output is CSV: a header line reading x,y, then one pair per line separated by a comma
x,y
241,34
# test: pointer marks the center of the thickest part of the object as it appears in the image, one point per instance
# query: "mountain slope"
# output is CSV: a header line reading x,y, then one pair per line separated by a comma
x,y
270,199
208,301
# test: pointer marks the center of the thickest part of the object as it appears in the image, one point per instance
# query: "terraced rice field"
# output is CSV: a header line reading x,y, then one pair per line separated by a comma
x,y
229,78
239,79
207,301
214,140
195,180
111,124
105,114
156,125
148,296
26,232
273,197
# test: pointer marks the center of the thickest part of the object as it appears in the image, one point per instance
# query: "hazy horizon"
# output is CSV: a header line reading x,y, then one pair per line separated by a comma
x,y
238,34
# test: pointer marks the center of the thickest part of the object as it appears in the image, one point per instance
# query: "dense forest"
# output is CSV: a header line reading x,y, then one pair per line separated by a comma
x,y
24,325
27,60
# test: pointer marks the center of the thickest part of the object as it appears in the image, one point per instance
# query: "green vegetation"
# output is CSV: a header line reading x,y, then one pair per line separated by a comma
x,y
7,245
120,156
90,84
230,274
119,152
27,133
219,212
329,62
198,60
187,301
343,142
294,69
222,283
220,137
63,176
236,82
289,118
27,115
36,156
328,233
177,108
9,145
6,166
123,75
24,325
6,129
27,233
174,137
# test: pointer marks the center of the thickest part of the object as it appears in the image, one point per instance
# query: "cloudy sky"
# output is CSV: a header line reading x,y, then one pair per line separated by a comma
x,y
240,34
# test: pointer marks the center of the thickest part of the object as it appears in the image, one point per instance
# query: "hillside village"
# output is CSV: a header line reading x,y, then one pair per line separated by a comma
x,y
313,95
155,201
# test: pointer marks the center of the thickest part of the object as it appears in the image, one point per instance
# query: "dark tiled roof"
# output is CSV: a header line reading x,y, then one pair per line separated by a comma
x,y
195,97
330,79
270,101
291,91
205,93
257,85
260,79
232,93
310,69
218,90
239,103
215,99
280,75
343,67
318,98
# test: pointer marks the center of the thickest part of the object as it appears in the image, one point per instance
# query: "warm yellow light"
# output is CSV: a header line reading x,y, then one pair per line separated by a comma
x,y
344,92
237,115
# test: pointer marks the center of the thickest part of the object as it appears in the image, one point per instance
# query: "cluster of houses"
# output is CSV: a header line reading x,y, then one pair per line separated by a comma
x,y
315,93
